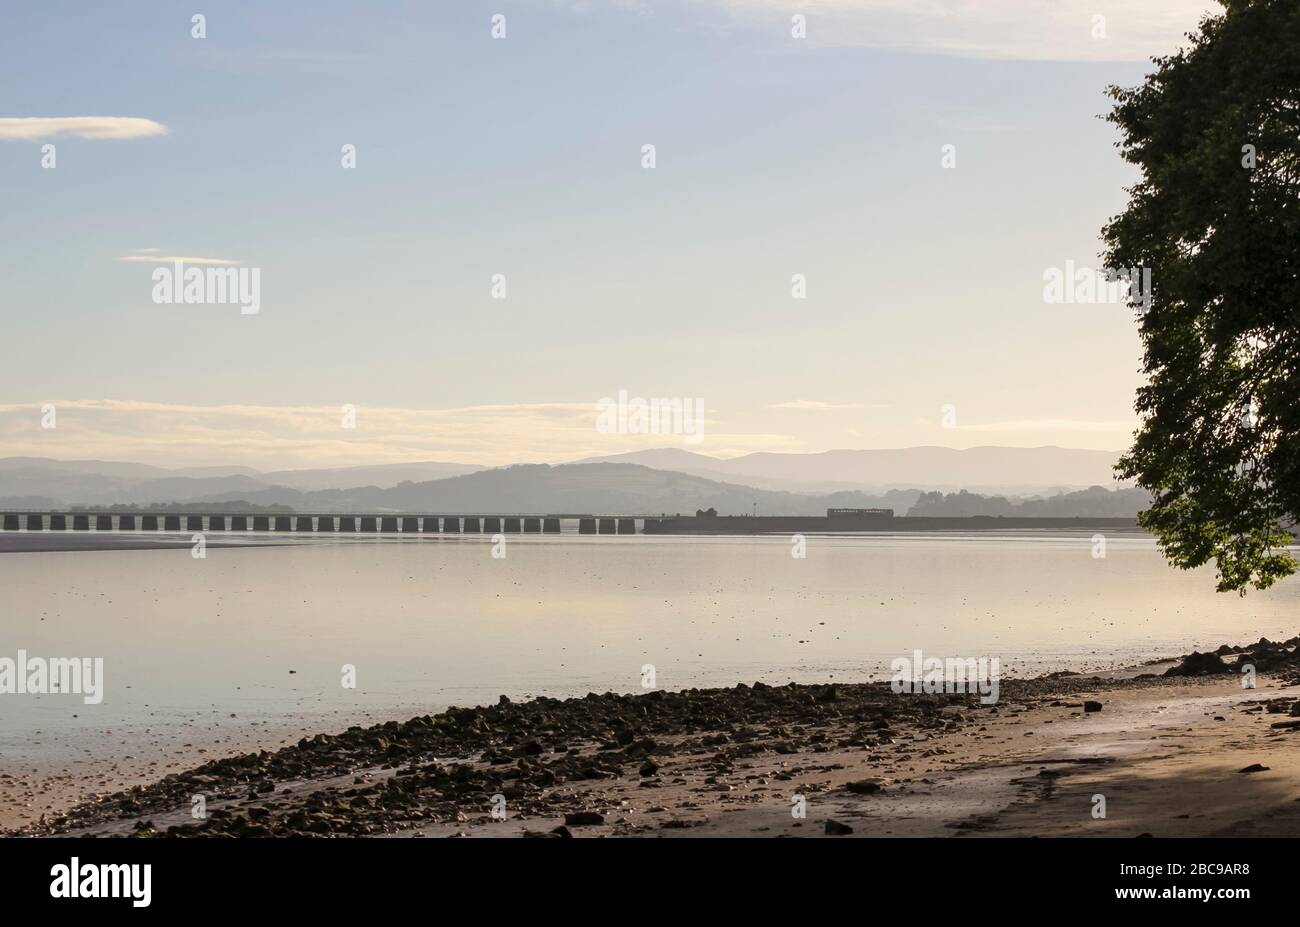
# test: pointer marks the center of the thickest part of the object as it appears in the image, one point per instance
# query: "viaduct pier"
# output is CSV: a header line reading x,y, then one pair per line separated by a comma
x,y
302,523
836,521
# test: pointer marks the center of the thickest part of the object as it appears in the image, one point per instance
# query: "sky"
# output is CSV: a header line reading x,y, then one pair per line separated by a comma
x,y
378,337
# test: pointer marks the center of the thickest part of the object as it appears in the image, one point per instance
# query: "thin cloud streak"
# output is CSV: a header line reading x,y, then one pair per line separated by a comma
x,y
817,405
99,128
173,259
1054,424
275,437
1024,30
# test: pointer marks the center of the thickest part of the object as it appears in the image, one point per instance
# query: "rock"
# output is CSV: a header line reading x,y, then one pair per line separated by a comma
x,y
836,829
863,787
649,768
561,831
1254,768
1295,708
583,818
1091,706
1199,664
643,747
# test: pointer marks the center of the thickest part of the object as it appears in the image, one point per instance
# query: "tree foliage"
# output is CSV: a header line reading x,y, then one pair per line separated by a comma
x,y
1215,131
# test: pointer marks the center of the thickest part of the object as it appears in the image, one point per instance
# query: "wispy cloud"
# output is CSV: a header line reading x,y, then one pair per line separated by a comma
x,y
272,437
1036,30
34,128
817,405
1054,424
152,256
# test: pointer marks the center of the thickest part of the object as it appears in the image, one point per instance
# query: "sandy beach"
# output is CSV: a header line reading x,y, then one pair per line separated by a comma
x,y
1127,755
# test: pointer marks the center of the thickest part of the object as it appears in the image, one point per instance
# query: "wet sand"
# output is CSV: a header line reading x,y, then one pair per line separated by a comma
x,y
1171,756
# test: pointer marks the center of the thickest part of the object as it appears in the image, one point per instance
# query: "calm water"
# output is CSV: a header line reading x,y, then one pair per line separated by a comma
x,y
262,633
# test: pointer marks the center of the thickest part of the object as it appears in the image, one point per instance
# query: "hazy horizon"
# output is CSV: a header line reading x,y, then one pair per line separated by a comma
x,y
822,158
664,480
216,464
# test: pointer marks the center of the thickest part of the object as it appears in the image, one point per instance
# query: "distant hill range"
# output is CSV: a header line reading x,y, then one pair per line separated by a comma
x,y
100,482
614,487
1014,470
573,489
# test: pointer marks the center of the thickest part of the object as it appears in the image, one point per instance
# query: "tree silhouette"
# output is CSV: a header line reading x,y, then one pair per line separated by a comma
x,y
1215,131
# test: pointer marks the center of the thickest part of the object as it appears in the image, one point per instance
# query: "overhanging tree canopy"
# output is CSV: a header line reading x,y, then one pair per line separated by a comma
x,y
1215,131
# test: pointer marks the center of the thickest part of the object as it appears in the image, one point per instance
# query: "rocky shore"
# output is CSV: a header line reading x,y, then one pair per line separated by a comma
x,y
662,762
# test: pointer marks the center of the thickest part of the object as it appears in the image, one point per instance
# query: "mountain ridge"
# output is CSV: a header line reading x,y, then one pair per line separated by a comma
x,y
986,467
614,485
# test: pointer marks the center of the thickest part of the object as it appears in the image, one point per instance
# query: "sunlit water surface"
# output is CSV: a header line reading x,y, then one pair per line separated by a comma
x,y
263,633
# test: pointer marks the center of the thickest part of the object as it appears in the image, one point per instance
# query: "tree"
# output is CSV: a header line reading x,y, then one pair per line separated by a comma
x,y
1215,131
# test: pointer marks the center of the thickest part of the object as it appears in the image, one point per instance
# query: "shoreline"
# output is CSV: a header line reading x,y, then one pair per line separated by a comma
x,y
56,541
1168,754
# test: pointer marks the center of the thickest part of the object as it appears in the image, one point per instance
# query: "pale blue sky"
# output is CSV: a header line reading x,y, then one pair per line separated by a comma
x,y
521,156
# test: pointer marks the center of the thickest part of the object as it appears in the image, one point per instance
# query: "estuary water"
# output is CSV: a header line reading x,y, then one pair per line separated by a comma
x,y
251,645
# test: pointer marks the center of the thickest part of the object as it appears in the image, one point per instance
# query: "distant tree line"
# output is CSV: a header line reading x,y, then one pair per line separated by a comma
x,y
1095,501
180,508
